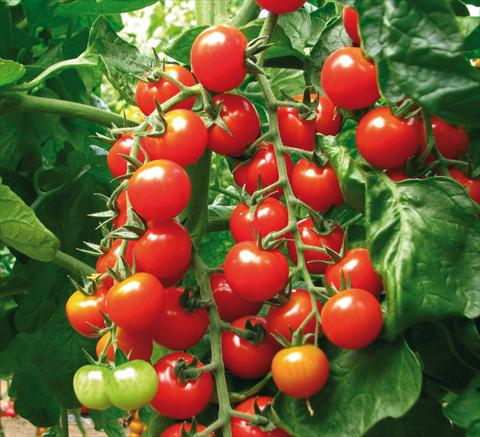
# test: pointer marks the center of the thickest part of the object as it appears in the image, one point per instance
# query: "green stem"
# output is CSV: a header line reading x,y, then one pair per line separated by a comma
x,y
248,12
20,102
431,146
63,422
78,421
216,224
72,264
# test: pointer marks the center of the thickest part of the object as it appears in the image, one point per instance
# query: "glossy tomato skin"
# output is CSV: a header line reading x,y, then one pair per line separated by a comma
x,y
164,89
349,79
89,385
263,166
280,6
255,274
84,311
230,305
110,257
244,359
269,216
116,163
184,140
176,430
241,118
350,22
328,120
284,319
314,260
217,58
136,346
177,328
134,303
164,250
159,190
317,186
386,141
294,130
472,186
121,205
357,267
242,427
177,400
363,313
300,371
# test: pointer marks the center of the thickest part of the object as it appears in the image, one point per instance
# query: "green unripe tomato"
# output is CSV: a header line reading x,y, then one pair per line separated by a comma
x,y
89,384
132,385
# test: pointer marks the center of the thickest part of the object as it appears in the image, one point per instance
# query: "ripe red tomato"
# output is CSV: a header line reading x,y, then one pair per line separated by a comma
x,y
263,167
315,261
350,22
184,140
177,400
179,429
241,118
255,274
270,215
135,303
174,279
138,346
230,305
177,328
317,186
217,58
386,141
280,6
159,190
329,120
117,164
451,141
364,315
121,204
286,318
243,428
396,175
109,259
472,186
84,311
164,250
244,359
349,79
356,267
300,371
294,130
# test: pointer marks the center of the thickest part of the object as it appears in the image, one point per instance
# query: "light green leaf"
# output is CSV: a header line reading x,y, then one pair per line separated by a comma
x,y
10,71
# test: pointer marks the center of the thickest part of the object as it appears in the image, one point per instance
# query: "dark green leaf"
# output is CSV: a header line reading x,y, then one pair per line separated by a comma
x,y
297,26
105,7
465,408
181,46
108,421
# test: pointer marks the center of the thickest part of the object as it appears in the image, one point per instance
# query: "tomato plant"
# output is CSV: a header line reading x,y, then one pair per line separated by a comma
x,y
90,385
137,346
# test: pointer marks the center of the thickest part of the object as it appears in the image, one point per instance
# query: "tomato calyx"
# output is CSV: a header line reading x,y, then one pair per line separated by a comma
x,y
253,333
191,301
263,418
255,47
186,372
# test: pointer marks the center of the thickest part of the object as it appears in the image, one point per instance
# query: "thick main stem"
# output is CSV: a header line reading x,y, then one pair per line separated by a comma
x,y
72,264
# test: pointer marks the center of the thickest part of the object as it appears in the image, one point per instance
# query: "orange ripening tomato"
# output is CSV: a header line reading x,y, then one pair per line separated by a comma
x,y
138,345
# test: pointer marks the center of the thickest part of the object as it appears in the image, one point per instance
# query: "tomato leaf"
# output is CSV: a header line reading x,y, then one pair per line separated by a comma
x,y
180,48
107,421
465,408
104,7
10,71
361,390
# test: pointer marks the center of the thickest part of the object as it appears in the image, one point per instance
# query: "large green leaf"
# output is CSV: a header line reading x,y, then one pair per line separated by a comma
x,y
465,408
107,421
180,48
10,71
364,386
104,7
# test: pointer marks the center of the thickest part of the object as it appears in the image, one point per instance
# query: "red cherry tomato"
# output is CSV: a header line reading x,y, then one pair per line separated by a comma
x,y
178,430
315,260
184,140
164,90
110,258
243,428
241,118
317,186
177,328
269,216
243,358
357,268
350,22
296,131
177,400
134,303
230,305
280,6
349,79
84,311
263,166
217,58
472,186
364,316
174,279
164,250
159,190
121,204
451,141
329,120
288,317
255,274
386,141
136,346
300,371
396,175
116,163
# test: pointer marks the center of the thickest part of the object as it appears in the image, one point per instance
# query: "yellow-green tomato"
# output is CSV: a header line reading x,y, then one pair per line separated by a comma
x,y
89,384
132,385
